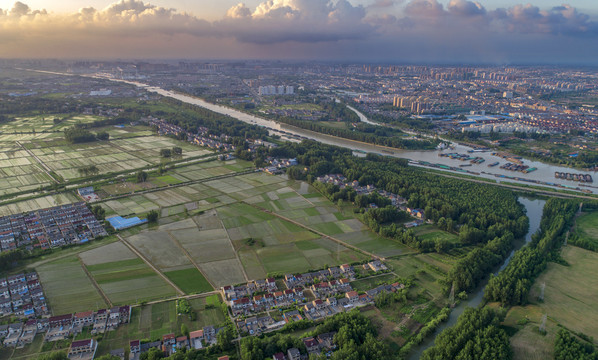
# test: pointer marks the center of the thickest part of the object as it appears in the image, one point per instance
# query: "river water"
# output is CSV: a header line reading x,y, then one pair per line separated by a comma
x,y
533,209
544,172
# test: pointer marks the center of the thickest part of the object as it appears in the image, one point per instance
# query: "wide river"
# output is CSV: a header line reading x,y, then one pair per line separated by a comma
x,y
544,172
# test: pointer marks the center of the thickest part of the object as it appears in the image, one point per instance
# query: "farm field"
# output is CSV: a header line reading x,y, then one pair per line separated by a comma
x,y
19,171
67,287
427,270
108,156
190,280
130,281
528,343
431,232
234,210
38,203
153,321
586,227
570,292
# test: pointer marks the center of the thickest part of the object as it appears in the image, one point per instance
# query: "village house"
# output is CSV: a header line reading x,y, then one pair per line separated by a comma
x,y
14,333
195,339
135,346
293,354
311,345
83,349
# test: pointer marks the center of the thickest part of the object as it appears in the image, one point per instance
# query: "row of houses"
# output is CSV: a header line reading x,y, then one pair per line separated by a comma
x,y
170,343
202,137
345,271
22,295
64,326
313,310
262,295
49,228
395,199
231,292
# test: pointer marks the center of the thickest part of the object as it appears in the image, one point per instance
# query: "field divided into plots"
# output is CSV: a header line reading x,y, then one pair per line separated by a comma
x,y
19,171
67,287
231,238
107,156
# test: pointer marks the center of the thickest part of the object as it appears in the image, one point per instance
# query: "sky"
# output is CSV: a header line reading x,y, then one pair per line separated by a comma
x,y
389,31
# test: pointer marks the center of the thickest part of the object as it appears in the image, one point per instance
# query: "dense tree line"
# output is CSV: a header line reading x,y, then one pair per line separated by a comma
x,y
512,285
476,335
371,134
77,134
569,347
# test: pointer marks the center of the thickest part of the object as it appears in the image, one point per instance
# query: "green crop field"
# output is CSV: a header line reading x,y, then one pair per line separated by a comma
x,y
130,281
67,288
191,281
570,292
586,227
431,232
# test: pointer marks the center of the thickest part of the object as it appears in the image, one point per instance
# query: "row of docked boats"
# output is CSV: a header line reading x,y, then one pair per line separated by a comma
x,y
586,178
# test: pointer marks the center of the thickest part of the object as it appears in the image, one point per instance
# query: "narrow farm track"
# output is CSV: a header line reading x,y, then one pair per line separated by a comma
x,y
177,243
45,168
95,283
150,264
338,241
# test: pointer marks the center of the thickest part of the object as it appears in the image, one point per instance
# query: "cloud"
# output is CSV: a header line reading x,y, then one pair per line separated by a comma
x,y
384,4
418,29
303,21
466,8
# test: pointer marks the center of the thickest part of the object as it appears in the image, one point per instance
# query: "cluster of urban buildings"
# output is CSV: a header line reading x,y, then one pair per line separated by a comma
x,y
276,90
62,327
49,228
201,137
22,295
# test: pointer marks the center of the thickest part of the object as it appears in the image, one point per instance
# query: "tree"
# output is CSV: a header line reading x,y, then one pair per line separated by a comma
x,y
103,135
177,150
165,153
152,216
152,354
184,330
141,176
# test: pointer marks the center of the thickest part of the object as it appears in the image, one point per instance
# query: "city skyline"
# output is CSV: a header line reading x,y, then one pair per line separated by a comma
x,y
428,31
